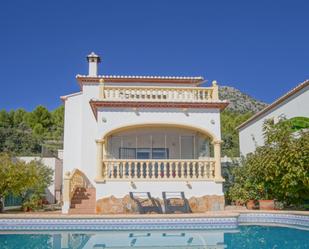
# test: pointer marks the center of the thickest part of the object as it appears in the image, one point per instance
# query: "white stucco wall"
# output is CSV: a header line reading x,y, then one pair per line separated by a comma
x,y
191,188
82,130
72,145
251,135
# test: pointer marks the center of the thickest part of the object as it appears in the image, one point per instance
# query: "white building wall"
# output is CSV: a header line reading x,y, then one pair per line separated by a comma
x,y
72,144
82,130
113,118
251,135
89,132
120,189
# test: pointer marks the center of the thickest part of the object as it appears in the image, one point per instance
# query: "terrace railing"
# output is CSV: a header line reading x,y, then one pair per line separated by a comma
x,y
159,94
158,170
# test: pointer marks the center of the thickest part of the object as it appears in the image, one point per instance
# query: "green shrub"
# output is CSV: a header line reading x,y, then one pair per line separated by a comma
x,y
277,170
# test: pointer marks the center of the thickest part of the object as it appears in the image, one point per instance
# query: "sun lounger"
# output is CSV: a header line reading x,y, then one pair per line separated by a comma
x,y
145,203
175,202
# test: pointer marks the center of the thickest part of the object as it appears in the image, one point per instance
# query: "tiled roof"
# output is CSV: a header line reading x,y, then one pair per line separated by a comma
x,y
142,78
276,102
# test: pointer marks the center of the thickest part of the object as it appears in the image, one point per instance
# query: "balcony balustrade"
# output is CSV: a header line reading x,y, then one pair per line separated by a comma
x,y
159,94
158,170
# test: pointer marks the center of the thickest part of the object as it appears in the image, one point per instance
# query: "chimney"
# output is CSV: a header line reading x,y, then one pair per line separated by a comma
x,y
93,61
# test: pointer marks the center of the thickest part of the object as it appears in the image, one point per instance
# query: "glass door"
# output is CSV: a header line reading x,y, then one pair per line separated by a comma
x,y
143,153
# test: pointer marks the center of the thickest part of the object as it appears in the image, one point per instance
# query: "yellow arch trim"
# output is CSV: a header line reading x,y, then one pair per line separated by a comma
x,y
157,125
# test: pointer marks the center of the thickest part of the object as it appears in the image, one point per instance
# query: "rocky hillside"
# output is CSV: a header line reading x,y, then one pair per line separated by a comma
x,y
239,101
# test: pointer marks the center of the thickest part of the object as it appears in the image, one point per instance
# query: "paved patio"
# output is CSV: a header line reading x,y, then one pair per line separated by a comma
x,y
226,213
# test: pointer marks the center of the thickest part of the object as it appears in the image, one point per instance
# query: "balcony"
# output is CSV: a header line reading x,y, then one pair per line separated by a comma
x,y
159,94
158,170
158,153
184,97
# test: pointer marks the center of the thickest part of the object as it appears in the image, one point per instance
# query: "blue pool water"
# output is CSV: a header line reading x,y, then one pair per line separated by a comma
x,y
249,237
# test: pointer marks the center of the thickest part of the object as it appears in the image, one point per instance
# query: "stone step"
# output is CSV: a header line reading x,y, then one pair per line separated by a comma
x,y
88,192
82,211
79,201
83,201
81,197
84,189
83,205
83,193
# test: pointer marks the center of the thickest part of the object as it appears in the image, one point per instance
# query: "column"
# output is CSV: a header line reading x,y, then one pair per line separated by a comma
x,y
215,90
66,193
101,89
100,154
217,155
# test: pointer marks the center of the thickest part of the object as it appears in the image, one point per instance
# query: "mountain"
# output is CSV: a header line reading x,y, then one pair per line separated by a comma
x,y
239,101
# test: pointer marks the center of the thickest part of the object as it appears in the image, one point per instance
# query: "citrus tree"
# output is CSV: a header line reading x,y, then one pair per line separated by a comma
x,y
279,169
27,180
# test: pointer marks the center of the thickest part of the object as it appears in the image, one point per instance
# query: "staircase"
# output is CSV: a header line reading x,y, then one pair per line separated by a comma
x,y
83,201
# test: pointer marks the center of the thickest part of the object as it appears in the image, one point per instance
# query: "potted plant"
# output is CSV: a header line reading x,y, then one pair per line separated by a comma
x,y
267,204
253,195
238,195
32,203
265,201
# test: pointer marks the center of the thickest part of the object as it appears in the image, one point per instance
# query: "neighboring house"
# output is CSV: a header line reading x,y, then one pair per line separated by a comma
x,y
152,134
294,103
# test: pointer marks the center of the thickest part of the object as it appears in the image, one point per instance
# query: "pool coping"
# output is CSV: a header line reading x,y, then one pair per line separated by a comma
x,y
208,220
225,213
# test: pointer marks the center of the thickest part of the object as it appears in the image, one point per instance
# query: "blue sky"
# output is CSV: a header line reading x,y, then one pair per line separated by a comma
x,y
260,47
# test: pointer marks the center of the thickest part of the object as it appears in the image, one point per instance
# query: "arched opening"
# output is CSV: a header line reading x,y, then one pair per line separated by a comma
x,y
158,152
158,142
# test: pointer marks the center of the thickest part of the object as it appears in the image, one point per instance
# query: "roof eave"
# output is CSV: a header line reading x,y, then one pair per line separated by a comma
x,y
95,104
147,79
275,103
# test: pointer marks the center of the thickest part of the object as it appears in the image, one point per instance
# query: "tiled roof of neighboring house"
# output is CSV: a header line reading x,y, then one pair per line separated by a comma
x,y
134,78
276,103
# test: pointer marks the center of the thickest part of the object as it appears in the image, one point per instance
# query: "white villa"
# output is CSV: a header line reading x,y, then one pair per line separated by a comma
x,y
294,103
140,134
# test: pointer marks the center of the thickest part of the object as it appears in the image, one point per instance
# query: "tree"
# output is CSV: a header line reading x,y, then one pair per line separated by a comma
x,y
19,178
5,119
26,133
39,120
229,121
19,118
280,168
19,141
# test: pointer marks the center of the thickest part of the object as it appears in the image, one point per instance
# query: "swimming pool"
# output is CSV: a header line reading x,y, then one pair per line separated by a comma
x,y
255,237
254,231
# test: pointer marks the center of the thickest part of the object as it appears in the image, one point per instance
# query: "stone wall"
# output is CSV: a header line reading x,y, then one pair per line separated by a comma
x,y
125,205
